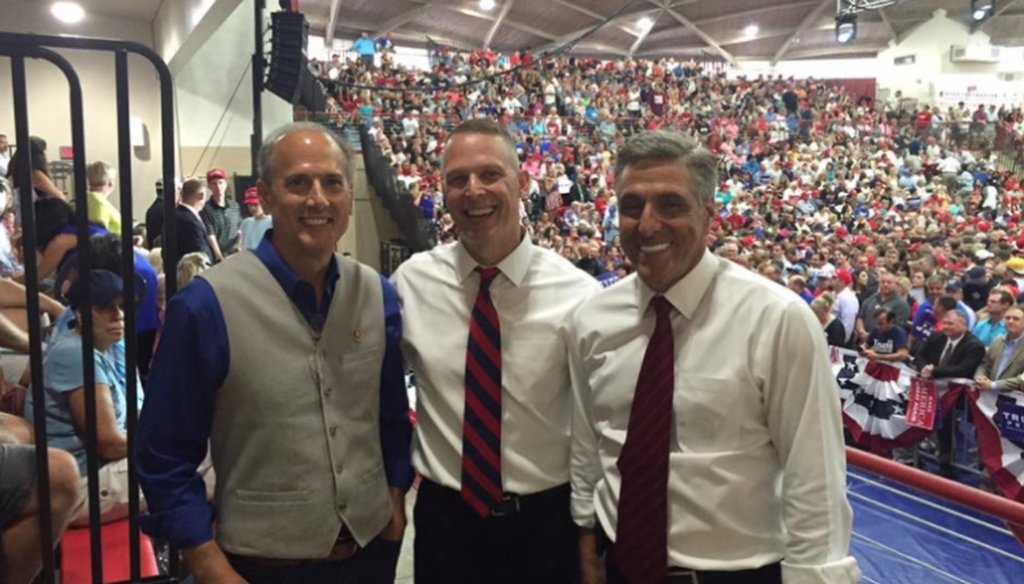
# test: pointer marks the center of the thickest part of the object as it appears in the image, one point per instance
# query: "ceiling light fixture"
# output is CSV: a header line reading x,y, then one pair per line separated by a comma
x,y
751,30
67,12
645,23
846,28
982,9
486,4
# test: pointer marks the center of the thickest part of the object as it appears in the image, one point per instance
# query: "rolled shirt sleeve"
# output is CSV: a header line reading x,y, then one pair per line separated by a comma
x,y
174,429
805,425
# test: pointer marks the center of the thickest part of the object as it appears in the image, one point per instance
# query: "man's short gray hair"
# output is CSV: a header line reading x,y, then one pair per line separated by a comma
x,y
659,147
959,315
266,169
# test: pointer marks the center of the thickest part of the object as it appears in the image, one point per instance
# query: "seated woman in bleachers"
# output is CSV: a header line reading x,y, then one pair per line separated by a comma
x,y
65,393
56,235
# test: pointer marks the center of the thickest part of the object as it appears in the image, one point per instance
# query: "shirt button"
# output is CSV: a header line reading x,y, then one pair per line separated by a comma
x,y
327,392
341,506
337,468
333,430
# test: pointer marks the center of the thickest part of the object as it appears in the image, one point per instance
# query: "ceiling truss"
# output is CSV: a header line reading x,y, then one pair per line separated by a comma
x,y
711,29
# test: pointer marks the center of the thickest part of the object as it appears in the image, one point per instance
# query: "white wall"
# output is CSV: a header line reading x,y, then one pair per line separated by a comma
x,y
181,27
49,101
206,94
933,73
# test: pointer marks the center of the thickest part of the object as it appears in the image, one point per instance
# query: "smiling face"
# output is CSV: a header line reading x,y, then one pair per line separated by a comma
x,y
309,196
664,224
483,186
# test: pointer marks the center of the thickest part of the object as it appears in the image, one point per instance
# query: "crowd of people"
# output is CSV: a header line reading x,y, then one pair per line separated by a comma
x,y
890,218
813,179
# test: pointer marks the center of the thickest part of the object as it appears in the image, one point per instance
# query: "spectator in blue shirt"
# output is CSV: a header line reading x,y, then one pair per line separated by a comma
x,y
887,342
253,227
993,326
301,402
65,401
366,48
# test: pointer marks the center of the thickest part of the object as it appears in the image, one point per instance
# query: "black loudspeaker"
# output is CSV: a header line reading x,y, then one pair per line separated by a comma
x,y
289,33
312,94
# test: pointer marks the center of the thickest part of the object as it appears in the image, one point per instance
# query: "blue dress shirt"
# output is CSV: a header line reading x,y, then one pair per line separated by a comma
x,y
192,362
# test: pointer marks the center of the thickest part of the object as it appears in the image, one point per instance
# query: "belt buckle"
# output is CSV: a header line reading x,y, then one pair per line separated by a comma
x,y
506,507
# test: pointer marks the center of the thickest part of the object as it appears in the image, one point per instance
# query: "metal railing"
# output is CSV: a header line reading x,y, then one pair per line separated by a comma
x,y
20,48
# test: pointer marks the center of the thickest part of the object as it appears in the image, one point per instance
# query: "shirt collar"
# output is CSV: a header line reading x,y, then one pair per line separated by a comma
x,y
686,294
285,276
513,266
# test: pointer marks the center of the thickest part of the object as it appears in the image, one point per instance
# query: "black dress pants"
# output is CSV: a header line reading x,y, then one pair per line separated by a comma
x,y
374,564
530,539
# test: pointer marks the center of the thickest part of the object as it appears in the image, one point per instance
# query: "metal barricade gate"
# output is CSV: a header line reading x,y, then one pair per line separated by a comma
x,y
19,48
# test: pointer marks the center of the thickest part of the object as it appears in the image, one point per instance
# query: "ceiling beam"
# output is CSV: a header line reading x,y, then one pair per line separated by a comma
x,y
569,36
592,14
754,12
643,35
700,33
740,37
578,8
1002,7
602,49
808,21
332,18
888,24
403,17
497,22
508,22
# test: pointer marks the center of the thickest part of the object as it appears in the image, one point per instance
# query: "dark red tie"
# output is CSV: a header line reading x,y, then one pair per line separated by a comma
x,y
641,542
481,424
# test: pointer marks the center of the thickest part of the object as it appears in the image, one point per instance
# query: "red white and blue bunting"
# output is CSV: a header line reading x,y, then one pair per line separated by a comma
x,y
888,406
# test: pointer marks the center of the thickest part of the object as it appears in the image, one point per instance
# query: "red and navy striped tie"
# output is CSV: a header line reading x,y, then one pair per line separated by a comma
x,y
481,426
641,542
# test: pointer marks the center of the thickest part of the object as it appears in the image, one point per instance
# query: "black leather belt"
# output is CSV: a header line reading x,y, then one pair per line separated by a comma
x,y
768,574
510,505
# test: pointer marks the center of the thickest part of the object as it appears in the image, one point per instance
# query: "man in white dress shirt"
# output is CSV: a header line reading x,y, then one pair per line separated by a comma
x,y
707,443
493,397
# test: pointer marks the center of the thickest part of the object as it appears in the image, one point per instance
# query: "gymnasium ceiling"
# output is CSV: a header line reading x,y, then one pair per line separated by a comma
x,y
785,29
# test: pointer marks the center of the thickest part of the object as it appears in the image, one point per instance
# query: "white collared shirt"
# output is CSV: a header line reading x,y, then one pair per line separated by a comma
x,y
757,465
534,295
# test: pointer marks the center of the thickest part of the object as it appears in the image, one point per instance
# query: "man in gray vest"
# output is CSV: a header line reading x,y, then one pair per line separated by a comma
x,y
295,385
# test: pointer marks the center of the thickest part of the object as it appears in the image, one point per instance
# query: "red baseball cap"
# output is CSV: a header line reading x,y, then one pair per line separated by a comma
x,y
251,196
844,275
215,174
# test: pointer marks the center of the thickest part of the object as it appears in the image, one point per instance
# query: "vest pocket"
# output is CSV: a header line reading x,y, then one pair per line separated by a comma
x,y
294,497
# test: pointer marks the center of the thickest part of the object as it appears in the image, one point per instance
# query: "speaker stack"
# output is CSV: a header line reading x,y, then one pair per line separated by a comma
x,y
289,77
